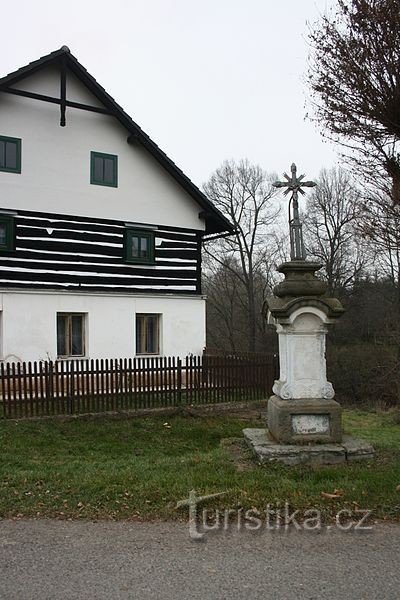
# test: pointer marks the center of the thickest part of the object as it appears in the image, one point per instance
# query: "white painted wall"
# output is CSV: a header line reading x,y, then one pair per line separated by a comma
x,y
28,323
56,163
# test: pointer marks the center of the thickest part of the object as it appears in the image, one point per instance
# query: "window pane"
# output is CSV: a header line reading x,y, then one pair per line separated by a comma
x,y
134,246
144,247
61,335
2,155
98,168
77,335
3,234
11,155
139,330
108,170
150,336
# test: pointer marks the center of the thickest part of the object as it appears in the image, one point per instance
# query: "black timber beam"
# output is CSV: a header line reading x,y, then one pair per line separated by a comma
x,y
63,90
69,103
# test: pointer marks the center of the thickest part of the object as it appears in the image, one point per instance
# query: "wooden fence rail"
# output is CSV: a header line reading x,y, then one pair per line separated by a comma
x,y
32,389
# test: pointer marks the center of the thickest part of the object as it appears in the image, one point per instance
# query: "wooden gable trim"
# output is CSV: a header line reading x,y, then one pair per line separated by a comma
x,y
53,100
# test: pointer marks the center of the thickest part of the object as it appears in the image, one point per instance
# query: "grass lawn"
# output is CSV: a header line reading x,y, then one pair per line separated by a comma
x,y
140,468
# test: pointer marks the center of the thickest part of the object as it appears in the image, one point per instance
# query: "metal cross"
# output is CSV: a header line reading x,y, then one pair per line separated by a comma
x,y
294,184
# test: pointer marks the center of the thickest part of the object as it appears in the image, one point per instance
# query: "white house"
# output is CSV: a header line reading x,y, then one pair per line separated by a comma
x,y
100,232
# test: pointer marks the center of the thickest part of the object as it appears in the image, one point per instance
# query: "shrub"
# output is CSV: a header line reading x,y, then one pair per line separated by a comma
x,y
365,374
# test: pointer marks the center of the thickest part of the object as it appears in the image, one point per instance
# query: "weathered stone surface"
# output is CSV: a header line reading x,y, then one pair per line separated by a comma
x,y
301,324
282,427
301,287
357,449
268,450
300,280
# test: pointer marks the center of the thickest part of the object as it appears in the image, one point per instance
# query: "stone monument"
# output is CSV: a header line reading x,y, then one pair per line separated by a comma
x,y
304,421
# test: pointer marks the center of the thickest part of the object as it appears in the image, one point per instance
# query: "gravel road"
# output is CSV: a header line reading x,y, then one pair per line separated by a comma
x,y
55,560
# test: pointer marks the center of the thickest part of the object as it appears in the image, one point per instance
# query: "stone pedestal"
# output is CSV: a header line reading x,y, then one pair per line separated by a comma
x,y
304,420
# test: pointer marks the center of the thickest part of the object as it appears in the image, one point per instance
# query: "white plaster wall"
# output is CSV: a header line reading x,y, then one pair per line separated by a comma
x,y
56,163
28,322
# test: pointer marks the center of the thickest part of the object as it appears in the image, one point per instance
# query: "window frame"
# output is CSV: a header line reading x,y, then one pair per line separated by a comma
x,y
69,315
9,223
18,143
114,158
157,345
139,233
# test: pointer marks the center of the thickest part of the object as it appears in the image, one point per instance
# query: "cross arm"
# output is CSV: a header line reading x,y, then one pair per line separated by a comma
x,y
308,184
280,184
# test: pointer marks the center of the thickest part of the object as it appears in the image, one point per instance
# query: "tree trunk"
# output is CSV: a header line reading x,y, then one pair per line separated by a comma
x,y
252,316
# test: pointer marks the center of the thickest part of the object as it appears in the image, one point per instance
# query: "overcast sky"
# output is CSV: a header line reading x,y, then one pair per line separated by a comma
x,y
208,80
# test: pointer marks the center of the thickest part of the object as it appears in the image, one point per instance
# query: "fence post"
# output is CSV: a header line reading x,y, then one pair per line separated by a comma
x,y
179,381
49,385
71,388
5,396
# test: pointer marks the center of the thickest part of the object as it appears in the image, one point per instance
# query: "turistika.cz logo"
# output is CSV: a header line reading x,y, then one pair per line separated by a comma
x,y
273,517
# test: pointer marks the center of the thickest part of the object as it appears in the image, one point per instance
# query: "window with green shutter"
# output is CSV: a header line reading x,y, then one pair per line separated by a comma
x,y
139,246
10,154
104,169
7,233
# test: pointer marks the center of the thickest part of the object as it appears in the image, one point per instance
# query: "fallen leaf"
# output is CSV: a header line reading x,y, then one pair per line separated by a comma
x,y
333,495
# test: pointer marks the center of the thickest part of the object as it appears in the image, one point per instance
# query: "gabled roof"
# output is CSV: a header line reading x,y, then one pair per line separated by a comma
x,y
215,220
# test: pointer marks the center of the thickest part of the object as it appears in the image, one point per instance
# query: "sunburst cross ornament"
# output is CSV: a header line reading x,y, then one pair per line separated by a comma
x,y
294,184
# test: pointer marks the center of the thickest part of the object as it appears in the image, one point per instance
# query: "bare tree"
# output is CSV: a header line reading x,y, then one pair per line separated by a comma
x,y
243,192
354,78
381,228
332,213
226,320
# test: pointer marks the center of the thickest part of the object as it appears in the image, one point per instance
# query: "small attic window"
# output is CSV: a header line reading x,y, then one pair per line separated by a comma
x,y
104,169
10,154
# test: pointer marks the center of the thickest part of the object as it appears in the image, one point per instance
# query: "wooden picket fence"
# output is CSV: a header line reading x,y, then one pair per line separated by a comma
x,y
44,388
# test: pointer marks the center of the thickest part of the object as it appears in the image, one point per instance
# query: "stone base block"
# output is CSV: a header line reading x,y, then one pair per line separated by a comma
x,y
357,449
268,450
304,420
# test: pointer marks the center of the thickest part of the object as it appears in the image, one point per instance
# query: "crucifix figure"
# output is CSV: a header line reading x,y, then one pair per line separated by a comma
x,y
294,184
